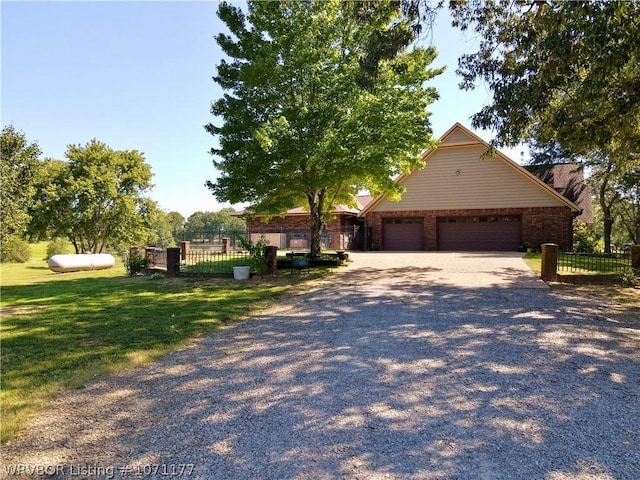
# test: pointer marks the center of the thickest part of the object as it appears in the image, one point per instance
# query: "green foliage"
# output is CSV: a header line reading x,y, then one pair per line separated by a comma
x,y
57,246
96,198
14,249
630,278
258,253
161,228
571,69
629,205
221,221
18,167
304,120
135,263
585,239
176,222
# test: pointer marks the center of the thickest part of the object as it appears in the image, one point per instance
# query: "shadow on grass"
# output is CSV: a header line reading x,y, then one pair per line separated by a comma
x,y
404,381
60,334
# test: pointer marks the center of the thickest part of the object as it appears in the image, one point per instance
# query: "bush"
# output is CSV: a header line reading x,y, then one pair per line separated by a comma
x,y
57,246
15,249
258,254
135,263
585,240
631,278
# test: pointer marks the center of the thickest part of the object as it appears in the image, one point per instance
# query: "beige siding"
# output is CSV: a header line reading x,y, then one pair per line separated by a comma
x,y
457,136
480,183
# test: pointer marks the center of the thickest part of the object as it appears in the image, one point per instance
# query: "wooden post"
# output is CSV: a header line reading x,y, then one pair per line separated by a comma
x,y
184,249
272,259
549,262
635,257
173,261
225,245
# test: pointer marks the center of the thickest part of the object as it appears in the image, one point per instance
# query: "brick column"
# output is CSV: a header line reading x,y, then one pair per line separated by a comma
x,y
149,253
271,253
173,261
184,250
225,245
549,262
635,257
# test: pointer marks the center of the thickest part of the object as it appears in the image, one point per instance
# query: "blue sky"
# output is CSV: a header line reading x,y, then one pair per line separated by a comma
x,y
137,75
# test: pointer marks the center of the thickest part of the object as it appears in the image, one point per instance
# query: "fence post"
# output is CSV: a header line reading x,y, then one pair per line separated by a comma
x,y
549,268
173,261
272,259
225,245
149,254
635,257
184,249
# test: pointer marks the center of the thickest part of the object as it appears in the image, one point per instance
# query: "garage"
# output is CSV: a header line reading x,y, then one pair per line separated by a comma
x,y
403,234
491,233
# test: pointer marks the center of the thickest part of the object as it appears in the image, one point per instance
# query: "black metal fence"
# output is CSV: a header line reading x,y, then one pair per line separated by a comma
x,y
617,262
208,262
212,240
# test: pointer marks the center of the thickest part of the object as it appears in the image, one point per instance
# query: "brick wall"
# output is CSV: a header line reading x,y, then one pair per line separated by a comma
x,y
539,224
338,232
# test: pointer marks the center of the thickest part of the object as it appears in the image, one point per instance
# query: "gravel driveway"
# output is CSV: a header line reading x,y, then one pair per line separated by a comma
x,y
459,366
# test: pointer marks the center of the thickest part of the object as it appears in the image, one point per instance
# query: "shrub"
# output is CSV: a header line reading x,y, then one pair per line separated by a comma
x,y
631,278
57,246
135,263
258,254
15,249
585,240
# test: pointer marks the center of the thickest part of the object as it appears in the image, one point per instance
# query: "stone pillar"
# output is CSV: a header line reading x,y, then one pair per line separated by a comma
x,y
173,261
271,252
225,245
635,257
549,262
184,250
149,254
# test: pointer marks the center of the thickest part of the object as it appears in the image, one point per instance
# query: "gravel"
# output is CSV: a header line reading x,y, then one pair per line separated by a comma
x,y
377,373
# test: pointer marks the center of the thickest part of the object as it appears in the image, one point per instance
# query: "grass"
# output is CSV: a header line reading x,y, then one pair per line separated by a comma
x,y
583,265
60,331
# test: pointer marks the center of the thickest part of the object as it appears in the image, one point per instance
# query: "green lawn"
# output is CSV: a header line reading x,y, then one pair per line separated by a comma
x,y
60,331
583,265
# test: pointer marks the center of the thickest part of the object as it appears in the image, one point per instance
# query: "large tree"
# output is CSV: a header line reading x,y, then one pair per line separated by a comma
x,y
630,204
306,119
18,168
569,69
96,198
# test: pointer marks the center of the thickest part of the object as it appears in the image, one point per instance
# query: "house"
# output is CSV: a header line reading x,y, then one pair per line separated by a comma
x,y
343,231
466,200
463,199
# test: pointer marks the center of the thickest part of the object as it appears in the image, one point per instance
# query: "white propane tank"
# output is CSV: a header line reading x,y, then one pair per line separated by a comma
x,y
79,262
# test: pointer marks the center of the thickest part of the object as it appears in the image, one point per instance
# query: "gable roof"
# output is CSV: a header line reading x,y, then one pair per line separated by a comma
x,y
568,180
455,140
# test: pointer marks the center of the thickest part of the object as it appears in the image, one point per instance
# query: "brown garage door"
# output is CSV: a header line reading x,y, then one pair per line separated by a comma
x,y
403,234
479,233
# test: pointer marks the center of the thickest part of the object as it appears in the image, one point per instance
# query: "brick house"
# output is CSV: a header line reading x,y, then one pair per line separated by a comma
x,y
465,200
461,200
343,230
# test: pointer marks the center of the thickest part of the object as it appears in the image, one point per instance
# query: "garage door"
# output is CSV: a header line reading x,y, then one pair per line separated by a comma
x,y
479,233
403,234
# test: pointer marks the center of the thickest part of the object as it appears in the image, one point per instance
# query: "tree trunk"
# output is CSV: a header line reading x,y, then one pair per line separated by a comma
x,y
607,207
608,227
316,209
